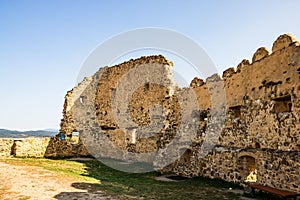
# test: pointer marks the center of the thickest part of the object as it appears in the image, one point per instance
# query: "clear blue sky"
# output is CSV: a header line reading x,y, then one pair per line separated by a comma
x,y
44,43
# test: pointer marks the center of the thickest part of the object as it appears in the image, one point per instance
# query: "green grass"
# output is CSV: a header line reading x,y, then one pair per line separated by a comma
x,y
128,185
71,168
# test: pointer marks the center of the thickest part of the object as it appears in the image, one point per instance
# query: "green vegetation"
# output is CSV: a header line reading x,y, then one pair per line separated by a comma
x,y
132,186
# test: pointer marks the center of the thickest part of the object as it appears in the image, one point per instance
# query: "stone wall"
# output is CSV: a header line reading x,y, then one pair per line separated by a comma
x,y
23,147
259,138
64,148
6,145
41,147
262,120
274,168
96,96
31,147
67,125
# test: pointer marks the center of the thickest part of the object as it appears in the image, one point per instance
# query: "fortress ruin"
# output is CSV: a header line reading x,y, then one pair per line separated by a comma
x,y
260,137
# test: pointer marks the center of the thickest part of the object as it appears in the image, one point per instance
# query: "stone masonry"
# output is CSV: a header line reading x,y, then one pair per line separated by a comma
x,y
23,147
41,147
260,134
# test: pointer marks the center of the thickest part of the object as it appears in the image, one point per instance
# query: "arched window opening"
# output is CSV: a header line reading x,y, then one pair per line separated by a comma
x,y
247,167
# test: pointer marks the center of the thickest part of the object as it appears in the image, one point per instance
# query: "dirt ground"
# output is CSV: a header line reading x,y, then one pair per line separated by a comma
x,y
30,182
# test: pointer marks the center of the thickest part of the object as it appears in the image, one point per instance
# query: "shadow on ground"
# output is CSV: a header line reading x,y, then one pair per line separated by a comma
x,y
91,193
121,185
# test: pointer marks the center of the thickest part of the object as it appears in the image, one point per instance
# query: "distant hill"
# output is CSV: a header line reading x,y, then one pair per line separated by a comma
x,y
51,130
4,133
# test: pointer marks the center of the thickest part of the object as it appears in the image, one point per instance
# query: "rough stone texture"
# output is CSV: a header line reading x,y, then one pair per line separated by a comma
x,y
283,41
67,125
99,113
228,73
242,65
260,54
109,82
23,147
262,121
31,147
41,147
6,147
64,148
259,138
197,82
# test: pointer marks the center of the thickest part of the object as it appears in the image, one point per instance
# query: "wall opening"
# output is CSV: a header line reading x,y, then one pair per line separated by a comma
x,y
283,104
81,99
201,115
13,150
133,136
114,91
73,138
105,127
147,86
186,156
247,167
236,111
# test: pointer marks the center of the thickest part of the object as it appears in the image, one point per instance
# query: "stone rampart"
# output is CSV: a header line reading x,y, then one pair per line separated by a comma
x,y
260,135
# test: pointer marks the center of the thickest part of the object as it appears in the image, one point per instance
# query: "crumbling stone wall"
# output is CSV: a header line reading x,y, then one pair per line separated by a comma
x,y
108,83
64,148
260,134
140,103
41,147
262,119
6,145
23,147
67,125
30,147
100,119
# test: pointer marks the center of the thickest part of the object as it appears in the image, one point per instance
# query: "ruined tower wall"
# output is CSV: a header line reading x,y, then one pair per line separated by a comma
x,y
110,78
67,125
94,106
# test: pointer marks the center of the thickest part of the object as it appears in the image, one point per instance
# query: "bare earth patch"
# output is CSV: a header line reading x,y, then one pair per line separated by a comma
x,y
31,182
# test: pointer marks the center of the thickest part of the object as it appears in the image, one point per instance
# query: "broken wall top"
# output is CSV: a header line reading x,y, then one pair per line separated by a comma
x,y
270,75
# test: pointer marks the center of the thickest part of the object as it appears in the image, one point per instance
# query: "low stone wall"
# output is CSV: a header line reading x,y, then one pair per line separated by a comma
x,y
6,146
64,148
41,147
30,147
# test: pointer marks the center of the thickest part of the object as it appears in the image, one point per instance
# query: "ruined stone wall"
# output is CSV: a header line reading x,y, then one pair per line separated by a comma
x,y
278,169
67,125
41,147
254,94
260,135
110,78
64,148
23,147
97,94
6,146
262,120
258,90
144,96
30,147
